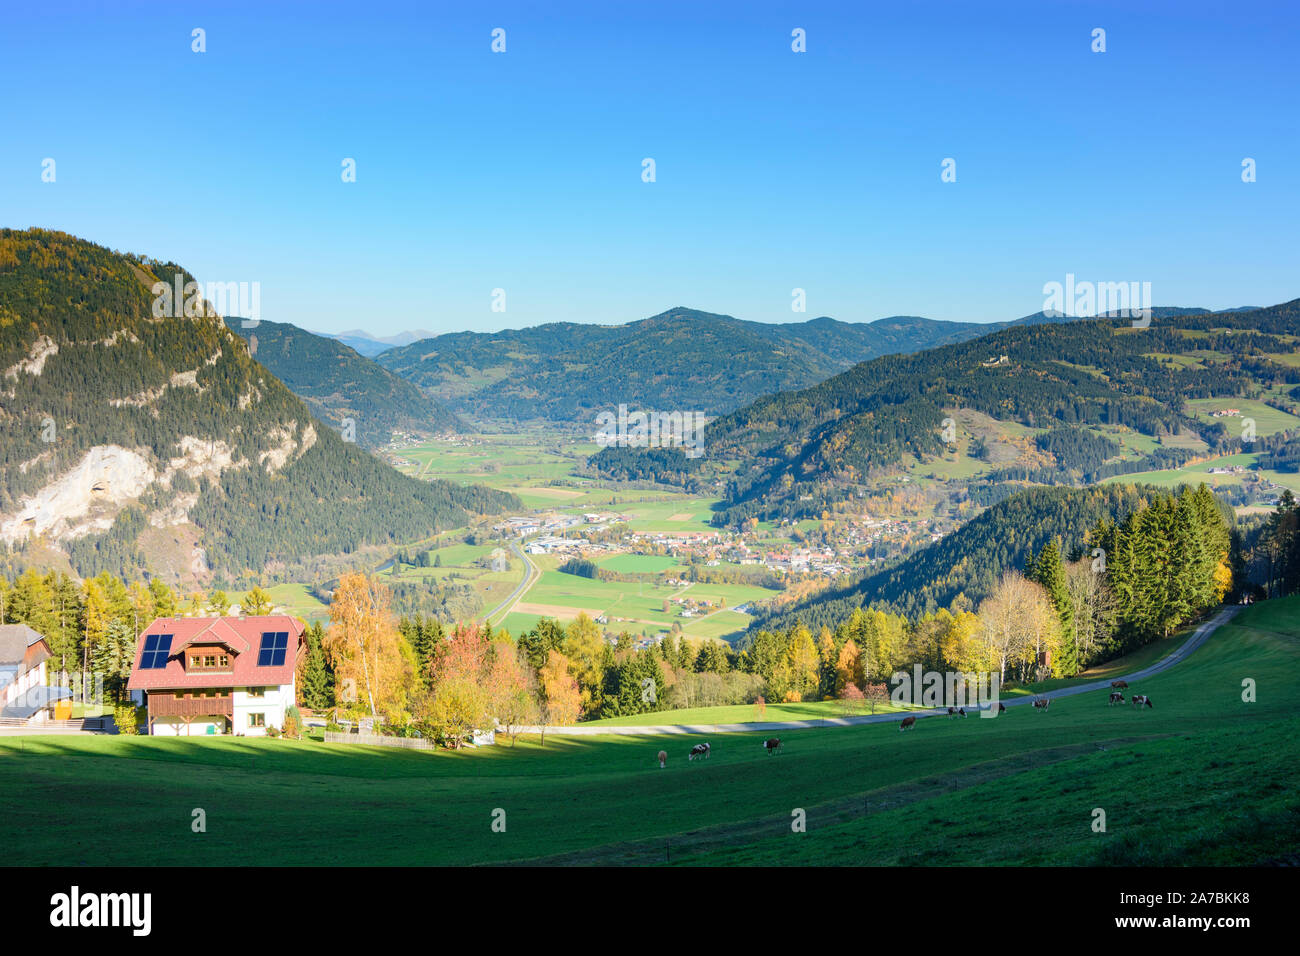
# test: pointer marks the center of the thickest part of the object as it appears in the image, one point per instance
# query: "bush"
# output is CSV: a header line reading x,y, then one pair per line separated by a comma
x,y
292,723
273,731
124,715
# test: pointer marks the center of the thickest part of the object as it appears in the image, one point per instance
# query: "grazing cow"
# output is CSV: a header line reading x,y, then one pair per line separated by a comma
x,y
1116,698
956,712
907,722
663,759
1002,708
1042,703
1140,699
772,745
699,750
1119,685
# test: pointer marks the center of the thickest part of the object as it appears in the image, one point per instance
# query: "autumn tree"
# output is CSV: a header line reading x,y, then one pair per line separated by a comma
x,y
256,603
561,698
364,645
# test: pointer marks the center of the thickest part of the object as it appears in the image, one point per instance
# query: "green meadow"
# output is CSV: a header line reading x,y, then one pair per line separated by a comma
x,y
1203,778
1268,420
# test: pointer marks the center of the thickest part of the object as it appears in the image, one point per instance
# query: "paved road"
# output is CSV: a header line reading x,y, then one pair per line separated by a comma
x,y
534,572
1191,644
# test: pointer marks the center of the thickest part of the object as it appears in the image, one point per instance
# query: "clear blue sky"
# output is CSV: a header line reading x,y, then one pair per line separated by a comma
x,y
775,170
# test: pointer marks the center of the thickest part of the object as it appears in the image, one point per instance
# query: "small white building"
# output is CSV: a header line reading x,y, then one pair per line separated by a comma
x,y
23,692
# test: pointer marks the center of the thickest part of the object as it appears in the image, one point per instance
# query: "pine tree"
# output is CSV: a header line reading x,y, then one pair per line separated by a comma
x,y
1049,571
315,677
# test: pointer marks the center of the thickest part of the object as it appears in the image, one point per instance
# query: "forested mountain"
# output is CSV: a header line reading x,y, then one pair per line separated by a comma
x,y
970,560
682,359
135,434
338,384
964,566
818,444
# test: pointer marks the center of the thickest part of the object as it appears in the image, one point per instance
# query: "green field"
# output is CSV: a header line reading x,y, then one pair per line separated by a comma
x,y
298,601
638,563
1200,472
1268,420
1204,778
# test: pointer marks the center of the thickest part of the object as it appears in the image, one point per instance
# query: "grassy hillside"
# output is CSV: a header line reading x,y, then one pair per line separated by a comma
x,y
1201,779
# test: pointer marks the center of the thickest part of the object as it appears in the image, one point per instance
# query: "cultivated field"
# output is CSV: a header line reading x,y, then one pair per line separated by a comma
x,y
1203,778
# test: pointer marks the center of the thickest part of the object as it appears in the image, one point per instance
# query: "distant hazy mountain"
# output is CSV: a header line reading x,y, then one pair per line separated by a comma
x,y
339,384
370,345
682,359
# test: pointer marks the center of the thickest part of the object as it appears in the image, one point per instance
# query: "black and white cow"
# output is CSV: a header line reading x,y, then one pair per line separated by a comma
x,y
699,750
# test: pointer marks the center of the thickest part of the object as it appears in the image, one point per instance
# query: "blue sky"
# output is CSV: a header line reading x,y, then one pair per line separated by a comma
x,y
775,169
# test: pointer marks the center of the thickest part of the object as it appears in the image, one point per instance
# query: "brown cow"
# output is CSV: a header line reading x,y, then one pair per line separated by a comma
x,y
663,759
1042,703
1140,699
907,722
772,745
1119,685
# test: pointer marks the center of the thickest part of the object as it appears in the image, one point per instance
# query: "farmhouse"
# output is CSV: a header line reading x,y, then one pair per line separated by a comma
x,y
217,675
23,694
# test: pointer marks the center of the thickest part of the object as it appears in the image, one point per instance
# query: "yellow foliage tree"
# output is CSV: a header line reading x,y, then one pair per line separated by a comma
x,y
364,645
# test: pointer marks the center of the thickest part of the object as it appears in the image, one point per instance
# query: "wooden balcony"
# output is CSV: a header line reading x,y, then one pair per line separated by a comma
x,y
165,705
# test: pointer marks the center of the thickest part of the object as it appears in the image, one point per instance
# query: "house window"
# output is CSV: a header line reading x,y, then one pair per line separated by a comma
x,y
223,661
257,720
210,660
256,692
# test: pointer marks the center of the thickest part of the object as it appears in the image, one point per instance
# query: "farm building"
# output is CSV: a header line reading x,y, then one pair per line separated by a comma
x,y
23,693
217,675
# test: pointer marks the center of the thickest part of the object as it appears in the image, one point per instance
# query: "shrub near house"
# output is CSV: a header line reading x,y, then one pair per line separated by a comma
x,y
217,675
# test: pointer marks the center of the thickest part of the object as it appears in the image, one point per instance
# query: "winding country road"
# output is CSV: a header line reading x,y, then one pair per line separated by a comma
x,y
1198,638
534,572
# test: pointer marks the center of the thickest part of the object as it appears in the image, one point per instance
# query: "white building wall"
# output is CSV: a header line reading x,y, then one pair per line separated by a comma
x,y
25,682
273,705
198,727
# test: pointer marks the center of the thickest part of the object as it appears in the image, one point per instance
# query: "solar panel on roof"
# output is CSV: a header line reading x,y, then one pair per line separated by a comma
x,y
272,651
157,648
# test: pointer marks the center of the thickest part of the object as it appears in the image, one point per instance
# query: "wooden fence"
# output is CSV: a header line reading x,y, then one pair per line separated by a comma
x,y
378,740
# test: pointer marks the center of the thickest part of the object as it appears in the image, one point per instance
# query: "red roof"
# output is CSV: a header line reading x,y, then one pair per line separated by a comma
x,y
242,635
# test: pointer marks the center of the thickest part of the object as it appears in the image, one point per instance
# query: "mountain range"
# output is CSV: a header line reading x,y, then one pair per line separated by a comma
x,y
369,345
341,386
680,360
801,449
